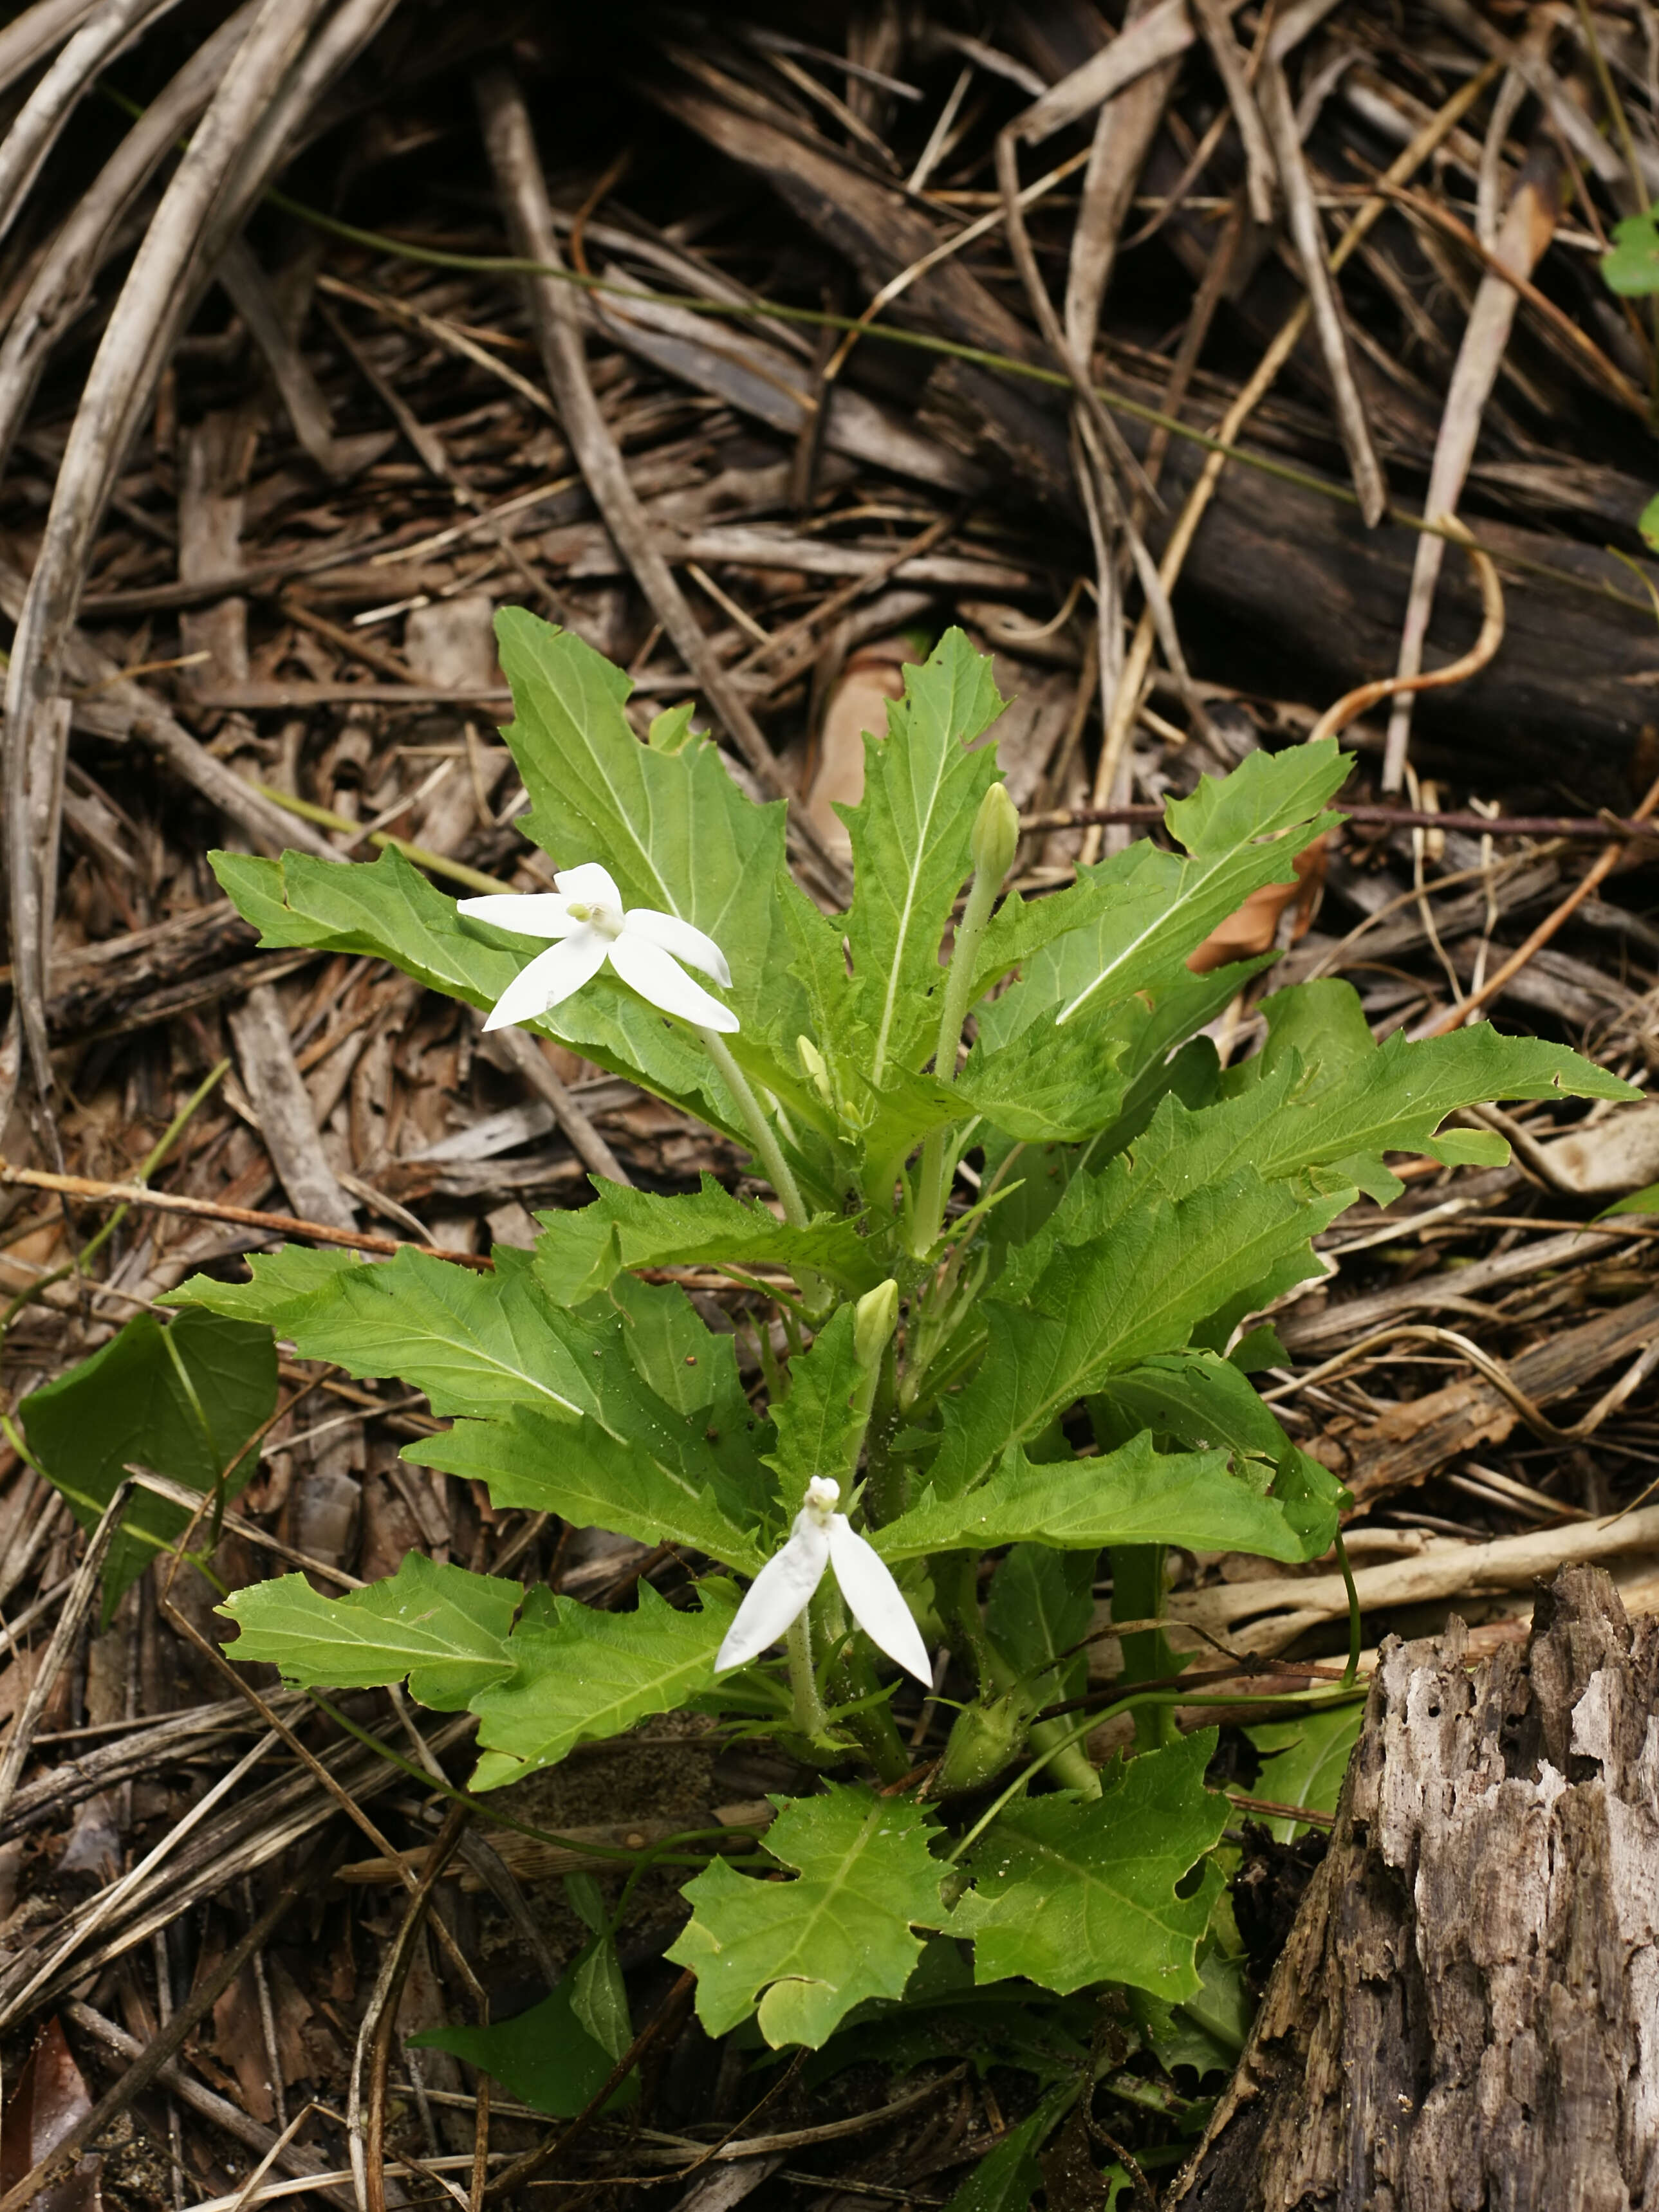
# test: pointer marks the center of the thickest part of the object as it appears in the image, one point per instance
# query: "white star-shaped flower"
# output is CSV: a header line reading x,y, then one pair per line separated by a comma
x,y
588,916
781,1590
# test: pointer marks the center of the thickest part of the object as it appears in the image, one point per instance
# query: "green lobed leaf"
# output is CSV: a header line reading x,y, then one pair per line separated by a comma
x,y
1345,1110
286,1283
599,1995
819,1430
545,2058
1007,2178
1041,1603
1066,1892
943,2016
1153,1267
582,1675
922,788
1205,1402
1047,1085
1323,1023
589,1478
894,1121
184,1400
1331,1122
473,1344
1135,1495
445,1629
836,1935
581,1252
693,1369
1307,1761
1155,908
1202,1399
1630,265
482,1346
1210,2030
389,911
834,1025
1312,1501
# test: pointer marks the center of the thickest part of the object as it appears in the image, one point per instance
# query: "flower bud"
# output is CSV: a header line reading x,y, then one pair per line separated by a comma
x,y
984,1741
995,833
874,1320
814,1067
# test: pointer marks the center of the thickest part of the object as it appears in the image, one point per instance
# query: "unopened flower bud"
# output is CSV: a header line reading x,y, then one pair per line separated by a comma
x,y
996,833
984,1741
814,1067
874,1319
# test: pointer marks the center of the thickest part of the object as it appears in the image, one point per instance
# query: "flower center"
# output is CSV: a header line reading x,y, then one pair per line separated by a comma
x,y
604,918
821,1497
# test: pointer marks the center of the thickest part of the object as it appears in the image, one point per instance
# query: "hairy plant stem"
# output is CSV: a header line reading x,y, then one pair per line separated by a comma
x,y
871,1725
886,1486
953,1013
956,1593
767,1150
810,1717
1072,1766
815,1294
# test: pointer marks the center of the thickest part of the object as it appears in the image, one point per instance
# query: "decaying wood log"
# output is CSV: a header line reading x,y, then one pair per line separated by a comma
x,y
1466,2014
1293,573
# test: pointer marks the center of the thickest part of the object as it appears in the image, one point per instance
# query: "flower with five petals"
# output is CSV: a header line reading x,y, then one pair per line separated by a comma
x,y
782,1590
588,918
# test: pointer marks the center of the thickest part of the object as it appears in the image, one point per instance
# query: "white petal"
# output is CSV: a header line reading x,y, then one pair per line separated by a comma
x,y
656,975
550,977
531,914
592,883
680,938
777,1596
875,1600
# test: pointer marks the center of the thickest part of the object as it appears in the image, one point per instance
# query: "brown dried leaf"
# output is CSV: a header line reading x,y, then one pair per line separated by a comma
x,y
50,2100
1254,928
239,2042
874,675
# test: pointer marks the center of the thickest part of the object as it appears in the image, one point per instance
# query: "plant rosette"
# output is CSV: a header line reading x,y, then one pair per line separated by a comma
x,y
1027,1284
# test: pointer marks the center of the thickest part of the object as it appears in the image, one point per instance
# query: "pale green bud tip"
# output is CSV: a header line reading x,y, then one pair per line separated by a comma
x,y
814,1067
874,1319
996,833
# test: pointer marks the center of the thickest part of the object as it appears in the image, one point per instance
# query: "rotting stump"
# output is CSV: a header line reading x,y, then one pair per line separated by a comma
x,y
1467,2012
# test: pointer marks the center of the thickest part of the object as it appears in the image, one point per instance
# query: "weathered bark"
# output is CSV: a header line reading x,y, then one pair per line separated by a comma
x,y
1466,2014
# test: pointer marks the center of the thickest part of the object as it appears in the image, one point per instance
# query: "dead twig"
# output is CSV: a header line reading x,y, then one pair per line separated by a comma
x,y
1596,873
1527,231
210,1209
76,1604
164,2046
122,380
217,2110
1353,704
368,2138
667,2021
